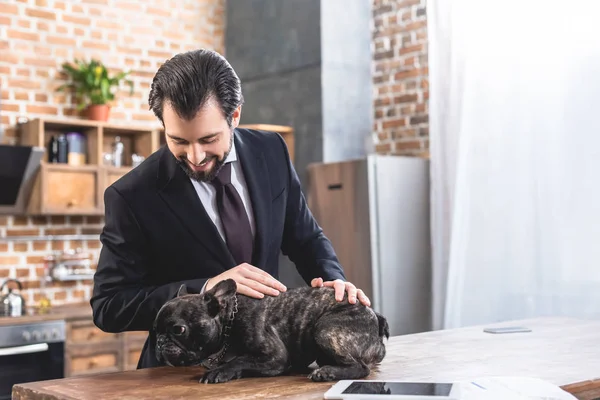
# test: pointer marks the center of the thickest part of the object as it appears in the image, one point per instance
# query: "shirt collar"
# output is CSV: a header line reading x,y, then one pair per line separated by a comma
x,y
232,156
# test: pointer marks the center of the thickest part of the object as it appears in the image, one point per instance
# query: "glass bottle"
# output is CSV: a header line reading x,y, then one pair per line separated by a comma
x,y
117,152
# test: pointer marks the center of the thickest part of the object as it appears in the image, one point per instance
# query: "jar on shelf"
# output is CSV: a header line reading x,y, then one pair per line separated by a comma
x,y
62,149
76,146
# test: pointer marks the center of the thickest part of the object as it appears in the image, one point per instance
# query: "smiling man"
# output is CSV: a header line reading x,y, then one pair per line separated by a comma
x,y
216,202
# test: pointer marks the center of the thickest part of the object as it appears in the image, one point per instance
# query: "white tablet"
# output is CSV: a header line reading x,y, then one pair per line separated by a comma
x,y
391,390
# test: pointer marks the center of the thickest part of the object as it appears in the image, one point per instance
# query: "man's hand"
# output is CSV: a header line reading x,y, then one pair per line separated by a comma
x,y
340,288
251,281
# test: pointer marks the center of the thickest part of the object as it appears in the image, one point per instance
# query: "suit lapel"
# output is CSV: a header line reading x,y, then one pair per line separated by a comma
x,y
177,191
257,180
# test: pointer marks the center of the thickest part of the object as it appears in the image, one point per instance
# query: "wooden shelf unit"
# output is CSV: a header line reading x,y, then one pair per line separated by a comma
x,y
64,189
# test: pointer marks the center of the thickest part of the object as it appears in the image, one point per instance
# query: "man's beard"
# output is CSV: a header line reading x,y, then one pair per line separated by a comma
x,y
205,176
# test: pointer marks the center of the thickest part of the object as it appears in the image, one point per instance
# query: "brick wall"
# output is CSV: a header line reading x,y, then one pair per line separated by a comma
x,y
24,260
400,77
36,37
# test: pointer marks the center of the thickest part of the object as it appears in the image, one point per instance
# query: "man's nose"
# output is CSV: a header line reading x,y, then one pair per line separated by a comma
x,y
196,153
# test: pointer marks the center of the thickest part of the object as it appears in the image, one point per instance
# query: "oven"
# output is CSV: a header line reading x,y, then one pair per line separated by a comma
x,y
30,352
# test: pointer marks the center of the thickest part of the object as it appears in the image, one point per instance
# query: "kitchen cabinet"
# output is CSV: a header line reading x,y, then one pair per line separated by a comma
x,y
133,343
88,350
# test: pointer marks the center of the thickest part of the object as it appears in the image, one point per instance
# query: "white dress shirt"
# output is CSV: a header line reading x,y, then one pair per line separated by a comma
x,y
208,194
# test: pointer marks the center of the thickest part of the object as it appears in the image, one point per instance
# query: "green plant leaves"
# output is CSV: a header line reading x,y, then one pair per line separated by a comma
x,y
92,83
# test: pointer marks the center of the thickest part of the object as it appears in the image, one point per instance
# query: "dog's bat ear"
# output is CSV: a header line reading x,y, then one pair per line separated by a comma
x,y
224,289
212,305
182,290
218,295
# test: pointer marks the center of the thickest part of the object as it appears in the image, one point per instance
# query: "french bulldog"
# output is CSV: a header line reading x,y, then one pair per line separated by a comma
x,y
236,336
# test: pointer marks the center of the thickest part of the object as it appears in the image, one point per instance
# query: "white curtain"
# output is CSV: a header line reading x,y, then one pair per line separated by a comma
x,y
515,159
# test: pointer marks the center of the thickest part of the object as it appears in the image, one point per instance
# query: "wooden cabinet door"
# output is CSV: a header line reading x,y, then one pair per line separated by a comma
x,y
66,190
133,343
93,359
109,175
88,350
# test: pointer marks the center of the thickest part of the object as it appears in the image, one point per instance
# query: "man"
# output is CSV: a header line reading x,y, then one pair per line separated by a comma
x,y
217,202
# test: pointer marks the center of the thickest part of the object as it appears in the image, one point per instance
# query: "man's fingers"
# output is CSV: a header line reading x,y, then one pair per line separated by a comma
x,y
259,287
362,297
317,282
266,281
248,291
351,289
340,289
257,274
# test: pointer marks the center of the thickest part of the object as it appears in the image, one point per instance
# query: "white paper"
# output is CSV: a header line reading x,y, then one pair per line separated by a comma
x,y
511,388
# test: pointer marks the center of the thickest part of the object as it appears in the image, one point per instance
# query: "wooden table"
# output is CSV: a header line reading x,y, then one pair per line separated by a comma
x,y
562,351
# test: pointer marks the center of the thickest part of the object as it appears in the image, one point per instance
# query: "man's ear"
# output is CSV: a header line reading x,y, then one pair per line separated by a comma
x,y
236,116
182,290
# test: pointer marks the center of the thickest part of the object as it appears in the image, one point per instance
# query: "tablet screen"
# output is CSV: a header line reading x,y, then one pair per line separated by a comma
x,y
405,388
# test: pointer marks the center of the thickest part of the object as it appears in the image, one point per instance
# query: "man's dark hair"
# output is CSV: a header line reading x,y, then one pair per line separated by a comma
x,y
188,80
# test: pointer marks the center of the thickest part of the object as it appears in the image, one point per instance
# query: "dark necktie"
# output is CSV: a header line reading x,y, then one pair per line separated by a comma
x,y
233,217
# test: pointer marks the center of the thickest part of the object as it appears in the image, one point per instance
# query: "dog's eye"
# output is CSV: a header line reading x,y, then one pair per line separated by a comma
x,y
178,330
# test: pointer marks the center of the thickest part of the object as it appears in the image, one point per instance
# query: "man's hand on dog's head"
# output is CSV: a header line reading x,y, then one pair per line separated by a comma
x,y
342,287
251,281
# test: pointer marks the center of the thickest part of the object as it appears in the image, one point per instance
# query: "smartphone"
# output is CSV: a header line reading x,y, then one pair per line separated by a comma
x,y
507,329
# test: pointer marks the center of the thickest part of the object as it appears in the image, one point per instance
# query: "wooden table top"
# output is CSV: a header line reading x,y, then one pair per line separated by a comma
x,y
561,351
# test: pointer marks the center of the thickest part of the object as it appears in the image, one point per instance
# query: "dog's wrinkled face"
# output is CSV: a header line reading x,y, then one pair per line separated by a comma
x,y
188,328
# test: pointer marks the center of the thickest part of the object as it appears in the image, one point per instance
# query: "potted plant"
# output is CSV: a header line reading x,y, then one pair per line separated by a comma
x,y
93,86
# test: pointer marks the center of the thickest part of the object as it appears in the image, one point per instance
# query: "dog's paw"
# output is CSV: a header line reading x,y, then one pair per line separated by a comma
x,y
322,374
220,375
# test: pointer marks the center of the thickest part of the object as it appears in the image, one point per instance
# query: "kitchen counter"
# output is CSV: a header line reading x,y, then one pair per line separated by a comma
x,y
562,351
66,312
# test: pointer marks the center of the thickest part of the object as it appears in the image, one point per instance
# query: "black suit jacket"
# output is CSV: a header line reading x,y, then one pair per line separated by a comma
x,y
157,235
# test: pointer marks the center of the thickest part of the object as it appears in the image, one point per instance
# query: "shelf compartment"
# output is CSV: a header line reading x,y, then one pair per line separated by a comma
x,y
66,190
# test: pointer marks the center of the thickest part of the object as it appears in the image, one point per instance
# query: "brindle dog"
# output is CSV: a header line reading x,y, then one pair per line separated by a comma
x,y
236,336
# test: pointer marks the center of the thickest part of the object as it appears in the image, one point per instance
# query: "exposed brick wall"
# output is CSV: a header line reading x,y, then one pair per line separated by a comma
x,y
400,77
24,260
36,37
